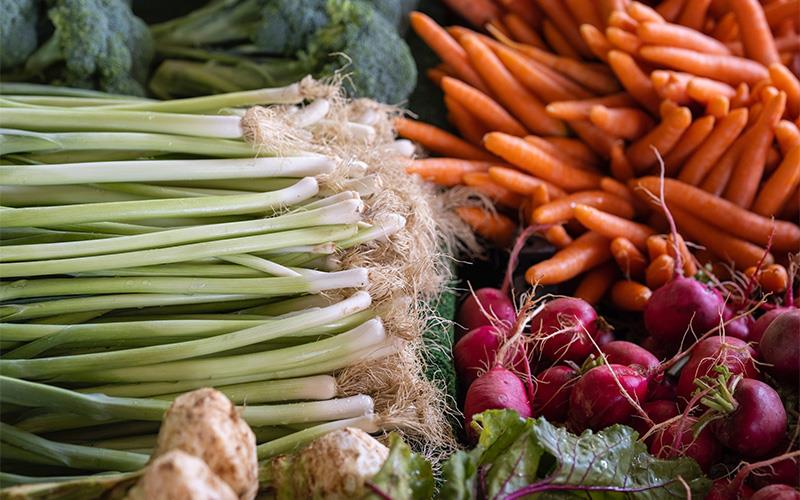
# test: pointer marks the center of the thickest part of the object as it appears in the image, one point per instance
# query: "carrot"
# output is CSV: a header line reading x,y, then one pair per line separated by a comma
x,y
660,271
437,140
675,35
774,278
663,137
596,283
522,31
634,79
772,160
745,177
754,31
554,151
727,30
615,187
493,226
445,171
534,76
723,214
718,106
477,12
512,94
565,24
612,226
557,42
742,96
776,12
526,10
557,236
779,186
625,123
694,14
717,179
622,20
788,136
580,109
689,267
563,209
584,253
584,12
719,140
704,89
670,9
522,183
656,245
785,80
447,48
599,141
623,40
532,159
480,105
643,13
483,183
741,253
628,258
671,85
791,209
694,136
730,69
575,149
468,126
435,75
596,40
630,295
608,7
539,197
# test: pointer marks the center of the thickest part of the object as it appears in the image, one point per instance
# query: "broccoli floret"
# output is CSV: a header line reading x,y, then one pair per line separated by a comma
x,y
17,31
96,44
395,11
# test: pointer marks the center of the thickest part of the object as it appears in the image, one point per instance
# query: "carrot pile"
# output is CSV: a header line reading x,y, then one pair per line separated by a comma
x,y
568,112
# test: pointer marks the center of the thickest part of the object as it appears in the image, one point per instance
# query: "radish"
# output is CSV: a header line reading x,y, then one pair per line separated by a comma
x,y
480,309
715,351
663,387
659,411
477,350
755,424
566,324
655,347
741,327
680,304
776,492
786,471
724,489
620,352
677,439
597,401
497,389
604,336
780,345
762,323
553,391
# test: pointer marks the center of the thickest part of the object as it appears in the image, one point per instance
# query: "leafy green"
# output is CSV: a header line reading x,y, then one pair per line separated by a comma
x,y
516,456
404,474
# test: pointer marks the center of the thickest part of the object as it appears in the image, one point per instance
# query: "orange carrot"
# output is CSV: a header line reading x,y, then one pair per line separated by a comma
x,y
628,258
586,252
522,183
565,24
557,41
526,10
754,31
694,14
446,48
635,81
742,96
622,20
483,183
776,12
533,75
727,29
482,106
689,267
656,245
599,141
719,140
670,9
445,171
643,13
630,295
723,214
675,35
580,109
612,226
785,80
596,283
773,278
596,40
575,149
584,12
468,126
743,184
562,155
557,236
623,40
608,7
439,141
671,85
522,31
705,89
663,137
615,187
539,197
717,179
512,94
772,161
532,159
435,75
779,186
694,136
791,209
563,209
659,271
788,136
730,69
625,123
493,226
718,106
477,12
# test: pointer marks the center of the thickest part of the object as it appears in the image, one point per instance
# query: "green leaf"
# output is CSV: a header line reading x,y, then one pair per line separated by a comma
x,y
459,476
404,475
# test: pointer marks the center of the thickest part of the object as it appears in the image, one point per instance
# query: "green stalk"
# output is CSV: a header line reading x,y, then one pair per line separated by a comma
x,y
259,184
260,264
16,454
87,156
32,196
46,367
199,270
313,411
127,443
139,210
156,191
111,228
179,253
379,230
290,305
64,101
70,455
316,387
297,440
22,88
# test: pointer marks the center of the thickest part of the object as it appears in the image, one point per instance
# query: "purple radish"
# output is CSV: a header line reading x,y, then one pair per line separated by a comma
x,y
662,387
656,347
740,327
604,336
679,305
757,425
677,439
482,307
621,352
786,471
553,390
724,489
762,323
497,389
597,401
736,354
565,324
780,346
476,351
658,411
776,492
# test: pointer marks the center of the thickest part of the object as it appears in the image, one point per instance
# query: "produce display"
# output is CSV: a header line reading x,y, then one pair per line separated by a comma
x,y
227,272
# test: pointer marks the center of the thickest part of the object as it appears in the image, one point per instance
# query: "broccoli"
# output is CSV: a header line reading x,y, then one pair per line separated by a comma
x,y
247,43
96,44
17,31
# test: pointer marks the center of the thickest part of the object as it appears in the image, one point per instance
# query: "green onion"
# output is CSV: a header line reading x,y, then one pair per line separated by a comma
x,y
295,441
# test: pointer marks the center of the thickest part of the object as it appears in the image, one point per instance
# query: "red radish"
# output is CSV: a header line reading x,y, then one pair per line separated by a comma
x,y
776,492
757,425
553,389
762,323
663,387
723,489
604,336
480,309
677,439
680,304
656,347
780,345
785,471
476,351
715,351
497,389
597,401
566,324
658,411
621,352
740,327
